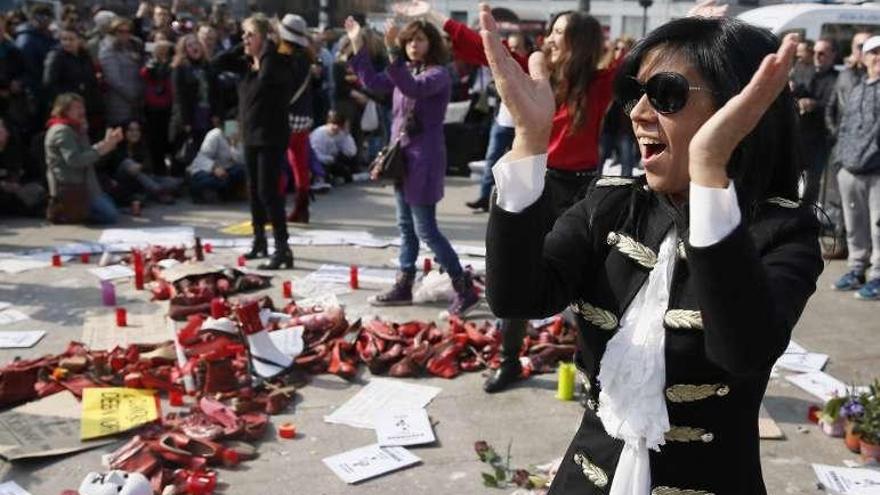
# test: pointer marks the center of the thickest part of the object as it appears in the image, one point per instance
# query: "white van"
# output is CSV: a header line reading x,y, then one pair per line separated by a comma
x,y
813,21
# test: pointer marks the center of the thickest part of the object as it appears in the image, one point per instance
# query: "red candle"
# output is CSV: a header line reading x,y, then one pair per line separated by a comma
x,y
242,261
218,308
209,248
353,276
84,257
56,260
175,398
287,289
138,259
121,319
427,265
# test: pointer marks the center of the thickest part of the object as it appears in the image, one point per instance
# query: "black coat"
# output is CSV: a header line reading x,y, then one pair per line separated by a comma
x,y
65,72
732,307
263,98
191,83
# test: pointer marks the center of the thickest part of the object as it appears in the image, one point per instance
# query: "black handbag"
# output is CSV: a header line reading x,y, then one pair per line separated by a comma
x,y
390,163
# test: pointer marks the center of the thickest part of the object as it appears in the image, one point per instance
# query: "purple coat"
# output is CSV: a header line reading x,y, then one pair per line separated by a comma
x,y
425,153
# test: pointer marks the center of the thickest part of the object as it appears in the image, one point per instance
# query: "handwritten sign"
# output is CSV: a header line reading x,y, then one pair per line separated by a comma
x,y
107,411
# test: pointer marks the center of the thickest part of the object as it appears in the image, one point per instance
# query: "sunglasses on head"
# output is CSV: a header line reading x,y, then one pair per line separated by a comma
x,y
667,92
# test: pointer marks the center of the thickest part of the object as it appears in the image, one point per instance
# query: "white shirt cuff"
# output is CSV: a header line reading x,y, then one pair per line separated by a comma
x,y
519,183
714,213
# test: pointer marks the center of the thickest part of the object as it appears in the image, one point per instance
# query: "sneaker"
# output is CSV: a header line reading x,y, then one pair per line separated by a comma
x,y
871,290
320,185
400,294
850,281
466,297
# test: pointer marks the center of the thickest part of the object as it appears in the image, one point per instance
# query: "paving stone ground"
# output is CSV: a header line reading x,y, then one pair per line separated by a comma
x,y
536,425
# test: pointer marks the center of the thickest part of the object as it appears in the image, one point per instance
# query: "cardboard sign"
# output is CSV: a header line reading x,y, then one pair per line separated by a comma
x,y
43,428
107,411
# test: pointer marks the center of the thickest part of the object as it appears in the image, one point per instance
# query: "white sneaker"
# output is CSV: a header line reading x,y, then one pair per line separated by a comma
x,y
321,185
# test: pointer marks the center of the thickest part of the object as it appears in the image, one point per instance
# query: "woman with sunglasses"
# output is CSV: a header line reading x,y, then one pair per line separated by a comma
x,y
582,93
686,282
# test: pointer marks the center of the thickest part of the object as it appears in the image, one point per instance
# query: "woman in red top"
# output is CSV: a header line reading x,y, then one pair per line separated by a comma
x,y
572,53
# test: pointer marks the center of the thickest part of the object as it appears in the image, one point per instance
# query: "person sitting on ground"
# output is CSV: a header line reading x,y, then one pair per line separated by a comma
x,y
132,168
217,171
75,195
17,195
334,146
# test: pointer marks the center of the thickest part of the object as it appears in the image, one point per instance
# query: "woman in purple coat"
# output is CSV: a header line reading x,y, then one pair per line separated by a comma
x,y
421,87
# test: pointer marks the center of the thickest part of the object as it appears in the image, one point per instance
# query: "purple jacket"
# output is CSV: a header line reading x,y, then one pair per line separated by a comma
x,y
429,92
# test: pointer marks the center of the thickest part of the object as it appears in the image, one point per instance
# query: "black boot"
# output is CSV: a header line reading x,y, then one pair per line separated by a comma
x,y
479,204
259,248
512,334
509,372
281,257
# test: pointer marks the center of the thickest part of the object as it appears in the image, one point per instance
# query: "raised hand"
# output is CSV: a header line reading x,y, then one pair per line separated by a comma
x,y
392,30
411,8
529,97
355,34
712,145
708,8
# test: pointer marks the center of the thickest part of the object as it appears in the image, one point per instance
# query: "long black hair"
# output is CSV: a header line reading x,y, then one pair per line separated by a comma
x,y
726,53
573,73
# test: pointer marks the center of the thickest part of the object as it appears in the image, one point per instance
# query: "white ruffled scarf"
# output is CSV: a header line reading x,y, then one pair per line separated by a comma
x,y
632,376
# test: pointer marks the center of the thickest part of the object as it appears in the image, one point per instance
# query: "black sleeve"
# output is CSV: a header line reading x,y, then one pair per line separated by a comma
x,y
535,267
750,301
183,94
232,60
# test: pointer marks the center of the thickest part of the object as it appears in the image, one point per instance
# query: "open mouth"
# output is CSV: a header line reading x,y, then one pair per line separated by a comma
x,y
652,147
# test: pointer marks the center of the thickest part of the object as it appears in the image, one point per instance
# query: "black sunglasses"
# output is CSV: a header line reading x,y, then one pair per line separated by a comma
x,y
667,92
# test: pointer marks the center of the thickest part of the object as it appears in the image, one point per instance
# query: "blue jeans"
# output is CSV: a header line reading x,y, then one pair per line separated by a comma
x,y
102,210
200,182
420,221
500,140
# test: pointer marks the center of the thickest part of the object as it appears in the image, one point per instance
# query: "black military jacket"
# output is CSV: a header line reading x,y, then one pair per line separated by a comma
x,y
732,307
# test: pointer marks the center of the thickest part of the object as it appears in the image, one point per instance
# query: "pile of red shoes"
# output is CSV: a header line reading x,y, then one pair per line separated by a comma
x,y
181,452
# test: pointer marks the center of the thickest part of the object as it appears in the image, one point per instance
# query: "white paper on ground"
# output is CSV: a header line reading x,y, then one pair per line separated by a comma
x,y
8,316
848,481
5,305
310,288
820,384
340,274
381,394
400,428
12,488
369,462
18,264
794,348
77,248
20,340
146,325
233,242
125,239
802,363
289,340
112,272
324,300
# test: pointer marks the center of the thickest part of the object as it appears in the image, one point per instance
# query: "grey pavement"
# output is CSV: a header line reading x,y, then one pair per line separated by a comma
x,y
529,418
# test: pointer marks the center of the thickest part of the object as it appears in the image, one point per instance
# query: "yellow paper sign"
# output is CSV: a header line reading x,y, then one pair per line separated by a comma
x,y
107,411
243,228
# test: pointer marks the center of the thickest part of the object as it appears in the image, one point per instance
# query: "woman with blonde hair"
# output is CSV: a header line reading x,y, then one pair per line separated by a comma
x,y
75,195
267,82
191,107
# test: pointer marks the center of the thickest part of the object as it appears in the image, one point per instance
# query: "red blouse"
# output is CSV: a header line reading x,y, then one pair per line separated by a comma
x,y
578,151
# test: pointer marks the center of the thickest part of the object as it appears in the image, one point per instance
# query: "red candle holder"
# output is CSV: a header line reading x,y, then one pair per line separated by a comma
x,y
175,398
242,261
121,317
56,260
84,258
353,277
138,261
209,248
427,265
218,308
287,289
